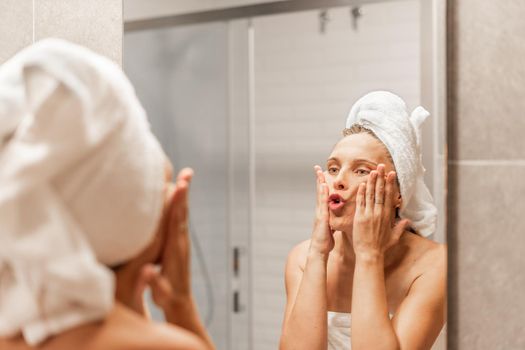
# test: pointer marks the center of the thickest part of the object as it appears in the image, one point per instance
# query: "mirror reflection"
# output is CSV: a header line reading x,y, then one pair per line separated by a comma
x,y
252,104
264,176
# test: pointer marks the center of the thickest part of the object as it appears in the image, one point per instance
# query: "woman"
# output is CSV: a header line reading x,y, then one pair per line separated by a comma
x,y
368,257
87,207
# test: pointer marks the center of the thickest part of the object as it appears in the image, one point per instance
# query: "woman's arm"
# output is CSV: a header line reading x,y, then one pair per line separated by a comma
x,y
305,320
421,315
417,321
371,326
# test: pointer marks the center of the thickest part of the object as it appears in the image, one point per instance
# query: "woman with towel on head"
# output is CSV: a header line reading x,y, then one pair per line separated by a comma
x,y
368,278
87,208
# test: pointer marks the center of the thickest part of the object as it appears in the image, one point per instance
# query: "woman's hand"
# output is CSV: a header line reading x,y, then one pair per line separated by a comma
x,y
171,284
372,230
322,241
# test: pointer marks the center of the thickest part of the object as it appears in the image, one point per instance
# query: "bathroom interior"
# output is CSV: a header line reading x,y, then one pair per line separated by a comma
x,y
253,93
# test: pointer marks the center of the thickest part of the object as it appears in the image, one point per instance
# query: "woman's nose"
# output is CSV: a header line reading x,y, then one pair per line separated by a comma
x,y
339,183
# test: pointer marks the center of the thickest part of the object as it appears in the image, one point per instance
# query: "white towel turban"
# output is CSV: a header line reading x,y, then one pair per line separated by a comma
x,y
385,114
81,186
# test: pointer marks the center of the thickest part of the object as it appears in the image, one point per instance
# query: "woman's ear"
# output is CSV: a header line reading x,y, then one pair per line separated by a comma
x,y
399,201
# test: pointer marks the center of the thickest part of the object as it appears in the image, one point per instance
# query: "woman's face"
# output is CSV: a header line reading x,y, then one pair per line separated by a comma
x,y
349,164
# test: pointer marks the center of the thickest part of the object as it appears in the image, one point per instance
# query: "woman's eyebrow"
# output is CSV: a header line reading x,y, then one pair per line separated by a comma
x,y
361,160
358,160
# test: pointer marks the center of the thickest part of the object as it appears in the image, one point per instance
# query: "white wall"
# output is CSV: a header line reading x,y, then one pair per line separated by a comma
x,y
305,83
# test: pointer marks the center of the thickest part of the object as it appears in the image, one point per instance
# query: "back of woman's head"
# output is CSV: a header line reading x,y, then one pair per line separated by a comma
x,y
81,186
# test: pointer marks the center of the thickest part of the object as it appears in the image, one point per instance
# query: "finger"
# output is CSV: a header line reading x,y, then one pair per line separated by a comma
x,y
389,194
370,190
320,180
180,196
184,178
321,175
387,206
185,174
360,198
317,168
379,199
177,208
161,289
389,189
323,210
177,235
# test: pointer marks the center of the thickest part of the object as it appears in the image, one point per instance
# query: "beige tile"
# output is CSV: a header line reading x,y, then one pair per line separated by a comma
x,y
488,79
96,24
16,26
486,257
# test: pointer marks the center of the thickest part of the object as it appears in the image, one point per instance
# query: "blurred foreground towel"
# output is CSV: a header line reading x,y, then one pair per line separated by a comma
x,y
81,186
385,114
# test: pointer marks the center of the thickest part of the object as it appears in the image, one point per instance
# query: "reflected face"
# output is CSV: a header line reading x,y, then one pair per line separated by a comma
x,y
349,164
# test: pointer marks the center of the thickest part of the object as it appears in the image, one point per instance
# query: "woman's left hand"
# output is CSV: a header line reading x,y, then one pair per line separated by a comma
x,y
373,232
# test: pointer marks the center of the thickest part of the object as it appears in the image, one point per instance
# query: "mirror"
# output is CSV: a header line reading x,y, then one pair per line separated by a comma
x,y
252,98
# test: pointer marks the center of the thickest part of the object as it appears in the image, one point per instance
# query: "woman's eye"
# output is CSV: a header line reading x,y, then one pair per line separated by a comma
x,y
362,172
332,171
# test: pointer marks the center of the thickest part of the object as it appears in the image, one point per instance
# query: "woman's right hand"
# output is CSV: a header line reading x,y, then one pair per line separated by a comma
x,y
171,284
322,241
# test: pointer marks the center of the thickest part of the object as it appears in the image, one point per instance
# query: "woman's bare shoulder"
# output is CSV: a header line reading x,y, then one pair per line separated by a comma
x,y
125,329
429,255
297,255
122,329
131,331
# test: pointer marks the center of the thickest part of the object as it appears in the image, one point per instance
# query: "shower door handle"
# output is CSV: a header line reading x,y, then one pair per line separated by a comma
x,y
236,280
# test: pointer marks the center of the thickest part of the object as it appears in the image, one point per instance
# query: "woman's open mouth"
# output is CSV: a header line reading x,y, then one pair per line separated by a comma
x,y
335,202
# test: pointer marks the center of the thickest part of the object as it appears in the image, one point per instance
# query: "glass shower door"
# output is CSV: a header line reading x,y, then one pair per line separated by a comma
x,y
181,77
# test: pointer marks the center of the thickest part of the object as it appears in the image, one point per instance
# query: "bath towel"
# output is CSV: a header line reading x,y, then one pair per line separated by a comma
x,y
385,114
81,186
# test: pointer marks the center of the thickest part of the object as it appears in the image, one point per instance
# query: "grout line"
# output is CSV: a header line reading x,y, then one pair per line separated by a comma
x,y
33,21
229,219
252,175
488,162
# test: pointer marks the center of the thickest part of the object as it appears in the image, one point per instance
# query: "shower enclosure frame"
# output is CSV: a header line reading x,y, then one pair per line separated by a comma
x,y
241,103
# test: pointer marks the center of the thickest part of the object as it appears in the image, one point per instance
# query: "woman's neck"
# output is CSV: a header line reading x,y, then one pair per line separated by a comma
x,y
344,250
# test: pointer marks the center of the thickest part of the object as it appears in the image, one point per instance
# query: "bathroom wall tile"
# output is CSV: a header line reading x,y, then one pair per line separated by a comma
x,y
486,242
487,79
96,24
16,26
